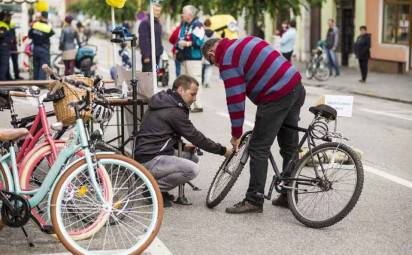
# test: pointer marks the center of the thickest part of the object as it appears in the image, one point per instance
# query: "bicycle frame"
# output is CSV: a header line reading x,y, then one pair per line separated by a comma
x,y
79,142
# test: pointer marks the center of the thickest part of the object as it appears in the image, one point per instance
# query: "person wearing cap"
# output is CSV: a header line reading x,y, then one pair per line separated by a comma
x,y
13,48
67,44
5,42
40,34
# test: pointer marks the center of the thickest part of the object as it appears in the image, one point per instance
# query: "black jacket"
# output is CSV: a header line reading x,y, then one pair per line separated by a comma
x,y
145,39
166,120
362,46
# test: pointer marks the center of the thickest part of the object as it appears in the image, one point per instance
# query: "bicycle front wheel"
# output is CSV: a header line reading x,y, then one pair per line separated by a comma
x,y
228,174
326,185
137,216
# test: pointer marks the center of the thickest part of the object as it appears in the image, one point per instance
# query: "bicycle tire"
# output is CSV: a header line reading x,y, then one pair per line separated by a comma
x,y
211,199
151,231
322,73
309,70
4,185
320,156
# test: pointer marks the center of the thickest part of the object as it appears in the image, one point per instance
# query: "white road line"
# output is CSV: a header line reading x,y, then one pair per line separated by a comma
x,y
386,114
387,176
369,169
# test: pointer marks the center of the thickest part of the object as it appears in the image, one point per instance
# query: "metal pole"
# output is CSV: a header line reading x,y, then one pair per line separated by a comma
x,y
153,46
114,45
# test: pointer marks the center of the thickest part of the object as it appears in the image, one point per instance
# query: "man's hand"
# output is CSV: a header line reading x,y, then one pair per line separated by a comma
x,y
235,143
182,44
146,60
189,148
228,152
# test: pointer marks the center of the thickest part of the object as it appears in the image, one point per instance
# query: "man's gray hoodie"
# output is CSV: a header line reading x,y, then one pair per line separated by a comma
x,y
166,120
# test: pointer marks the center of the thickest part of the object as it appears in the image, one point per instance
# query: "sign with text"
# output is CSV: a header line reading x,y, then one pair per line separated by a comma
x,y
342,104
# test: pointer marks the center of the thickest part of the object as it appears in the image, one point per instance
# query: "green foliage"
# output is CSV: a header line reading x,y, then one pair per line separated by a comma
x,y
102,11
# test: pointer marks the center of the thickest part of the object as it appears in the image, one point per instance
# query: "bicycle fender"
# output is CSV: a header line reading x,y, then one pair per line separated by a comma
x,y
60,175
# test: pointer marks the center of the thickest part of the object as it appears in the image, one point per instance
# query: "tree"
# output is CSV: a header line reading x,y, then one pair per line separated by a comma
x,y
254,9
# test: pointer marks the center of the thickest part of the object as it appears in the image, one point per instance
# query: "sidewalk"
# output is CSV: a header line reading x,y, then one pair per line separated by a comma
x,y
393,87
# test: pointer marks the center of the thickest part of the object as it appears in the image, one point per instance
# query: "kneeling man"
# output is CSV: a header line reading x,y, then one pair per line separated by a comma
x,y
165,122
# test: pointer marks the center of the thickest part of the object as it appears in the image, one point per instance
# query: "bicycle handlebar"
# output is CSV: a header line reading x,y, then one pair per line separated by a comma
x,y
18,94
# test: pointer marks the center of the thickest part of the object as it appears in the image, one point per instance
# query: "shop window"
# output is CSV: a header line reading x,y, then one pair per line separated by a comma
x,y
397,21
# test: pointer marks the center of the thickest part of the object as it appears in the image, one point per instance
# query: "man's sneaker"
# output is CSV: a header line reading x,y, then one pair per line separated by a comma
x,y
281,201
167,199
197,109
244,207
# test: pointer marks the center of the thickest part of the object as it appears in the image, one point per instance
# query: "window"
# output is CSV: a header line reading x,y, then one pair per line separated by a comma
x,y
396,21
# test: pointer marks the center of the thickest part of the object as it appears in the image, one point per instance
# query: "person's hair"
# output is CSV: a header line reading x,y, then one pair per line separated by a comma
x,y
191,9
292,23
363,27
184,81
285,22
331,20
207,22
208,45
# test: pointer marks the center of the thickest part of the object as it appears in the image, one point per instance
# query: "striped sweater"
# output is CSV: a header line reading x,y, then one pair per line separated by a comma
x,y
251,67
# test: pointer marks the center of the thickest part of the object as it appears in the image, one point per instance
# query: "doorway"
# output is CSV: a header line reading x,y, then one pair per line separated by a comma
x,y
346,24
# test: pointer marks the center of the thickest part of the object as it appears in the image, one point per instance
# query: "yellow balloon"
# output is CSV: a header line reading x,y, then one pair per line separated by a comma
x,y
116,3
42,6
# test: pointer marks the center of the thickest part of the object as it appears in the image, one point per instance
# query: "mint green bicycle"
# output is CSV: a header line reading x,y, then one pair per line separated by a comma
x,y
101,203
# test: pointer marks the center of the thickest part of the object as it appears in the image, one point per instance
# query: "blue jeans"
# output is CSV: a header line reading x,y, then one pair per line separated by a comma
x,y
41,56
178,68
332,61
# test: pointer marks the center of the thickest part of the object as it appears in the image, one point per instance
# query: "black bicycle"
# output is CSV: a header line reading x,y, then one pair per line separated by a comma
x,y
325,182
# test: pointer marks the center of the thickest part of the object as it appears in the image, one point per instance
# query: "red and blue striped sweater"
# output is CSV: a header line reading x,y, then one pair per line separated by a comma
x,y
251,67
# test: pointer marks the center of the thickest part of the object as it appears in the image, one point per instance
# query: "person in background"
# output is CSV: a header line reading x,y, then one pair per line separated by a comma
x,y
173,39
13,48
191,38
287,41
67,44
206,66
362,52
284,28
5,42
40,34
332,42
145,41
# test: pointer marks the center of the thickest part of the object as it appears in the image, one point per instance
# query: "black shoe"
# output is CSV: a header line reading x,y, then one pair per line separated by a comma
x,y
167,199
197,109
281,201
244,207
362,81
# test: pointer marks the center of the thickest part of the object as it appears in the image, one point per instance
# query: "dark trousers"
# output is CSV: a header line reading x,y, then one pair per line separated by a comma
x,y
41,56
287,55
269,119
363,65
15,62
69,66
4,64
147,67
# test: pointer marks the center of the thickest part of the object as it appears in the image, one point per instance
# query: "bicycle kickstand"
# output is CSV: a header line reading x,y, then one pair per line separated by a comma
x,y
194,187
28,239
181,199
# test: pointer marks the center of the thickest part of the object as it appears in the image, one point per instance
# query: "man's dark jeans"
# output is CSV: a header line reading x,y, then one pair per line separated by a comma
x,y
269,120
41,56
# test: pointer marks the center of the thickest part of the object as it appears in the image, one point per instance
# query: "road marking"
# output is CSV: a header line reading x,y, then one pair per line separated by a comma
x,y
369,169
389,177
393,115
226,115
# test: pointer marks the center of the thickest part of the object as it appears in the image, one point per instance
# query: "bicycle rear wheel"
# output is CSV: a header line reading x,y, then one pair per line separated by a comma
x,y
4,185
137,218
228,174
323,199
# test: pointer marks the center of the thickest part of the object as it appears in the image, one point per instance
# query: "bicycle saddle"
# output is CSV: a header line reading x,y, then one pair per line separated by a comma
x,y
12,134
324,110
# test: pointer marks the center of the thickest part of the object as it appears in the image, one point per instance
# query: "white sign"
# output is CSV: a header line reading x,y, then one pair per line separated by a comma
x,y
342,104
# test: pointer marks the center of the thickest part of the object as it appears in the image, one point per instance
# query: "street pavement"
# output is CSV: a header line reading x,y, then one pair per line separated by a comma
x,y
381,222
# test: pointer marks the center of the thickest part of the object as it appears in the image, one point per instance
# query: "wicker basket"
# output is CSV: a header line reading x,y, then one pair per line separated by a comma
x,y
65,113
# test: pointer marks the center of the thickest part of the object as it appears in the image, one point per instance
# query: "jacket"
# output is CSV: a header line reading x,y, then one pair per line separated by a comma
x,y
144,38
195,33
362,46
5,36
166,120
67,38
40,34
332,38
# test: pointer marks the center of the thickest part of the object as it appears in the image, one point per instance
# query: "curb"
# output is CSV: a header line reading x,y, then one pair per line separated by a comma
x,y
366,94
